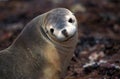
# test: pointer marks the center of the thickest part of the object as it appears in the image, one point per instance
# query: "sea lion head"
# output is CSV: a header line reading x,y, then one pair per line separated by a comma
x,y
60,24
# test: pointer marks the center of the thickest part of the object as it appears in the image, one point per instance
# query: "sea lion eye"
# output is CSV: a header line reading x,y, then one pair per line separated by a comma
x,y
71,20
52,30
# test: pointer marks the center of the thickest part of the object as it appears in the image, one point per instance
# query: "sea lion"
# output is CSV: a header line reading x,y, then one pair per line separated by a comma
x,y
43,49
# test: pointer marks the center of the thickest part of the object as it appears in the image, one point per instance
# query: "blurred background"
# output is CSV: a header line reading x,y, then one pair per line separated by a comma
x,y
98,51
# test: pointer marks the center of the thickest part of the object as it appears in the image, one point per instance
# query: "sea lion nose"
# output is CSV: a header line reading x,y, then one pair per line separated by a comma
x,y
64,32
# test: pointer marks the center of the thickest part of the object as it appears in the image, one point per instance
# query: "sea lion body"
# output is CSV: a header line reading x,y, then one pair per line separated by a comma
x,y
37,53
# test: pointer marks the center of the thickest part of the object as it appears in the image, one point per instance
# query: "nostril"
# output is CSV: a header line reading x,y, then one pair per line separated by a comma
x,y
64,32
71,20
52,30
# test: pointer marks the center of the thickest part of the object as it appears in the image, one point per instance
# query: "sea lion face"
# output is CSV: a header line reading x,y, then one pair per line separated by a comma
x,y
60,24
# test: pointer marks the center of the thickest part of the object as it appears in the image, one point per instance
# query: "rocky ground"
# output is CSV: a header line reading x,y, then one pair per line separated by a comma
x,y
97,53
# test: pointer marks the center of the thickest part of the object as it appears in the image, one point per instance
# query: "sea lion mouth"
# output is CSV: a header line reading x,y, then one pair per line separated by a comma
x,y
70,37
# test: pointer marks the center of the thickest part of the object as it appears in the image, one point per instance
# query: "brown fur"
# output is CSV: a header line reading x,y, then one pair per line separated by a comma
x,y
33,56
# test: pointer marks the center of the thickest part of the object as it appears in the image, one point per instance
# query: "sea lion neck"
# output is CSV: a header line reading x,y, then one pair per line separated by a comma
x,y
30,37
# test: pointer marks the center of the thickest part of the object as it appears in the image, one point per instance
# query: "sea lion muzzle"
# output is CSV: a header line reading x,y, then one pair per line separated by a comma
x,y
64,32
